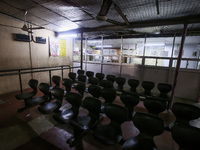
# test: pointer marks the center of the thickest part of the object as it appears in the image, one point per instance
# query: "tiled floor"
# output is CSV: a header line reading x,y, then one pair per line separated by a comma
x,y
32,130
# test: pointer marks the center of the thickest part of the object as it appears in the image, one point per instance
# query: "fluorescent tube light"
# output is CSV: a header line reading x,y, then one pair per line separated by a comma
x,y
99,46
67,35
155,44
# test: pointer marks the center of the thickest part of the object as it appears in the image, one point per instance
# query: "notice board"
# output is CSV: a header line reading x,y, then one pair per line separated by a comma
x,y
57,47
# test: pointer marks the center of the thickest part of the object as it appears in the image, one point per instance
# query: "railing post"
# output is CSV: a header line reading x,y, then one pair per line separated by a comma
x,y
121,57
62,72
20,81
50,77
102,54
143,60
70,69
171,63
156,61
81,50
187,63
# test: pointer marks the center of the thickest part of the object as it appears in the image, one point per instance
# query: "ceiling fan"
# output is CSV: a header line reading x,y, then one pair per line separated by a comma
x,y
26,25
102,15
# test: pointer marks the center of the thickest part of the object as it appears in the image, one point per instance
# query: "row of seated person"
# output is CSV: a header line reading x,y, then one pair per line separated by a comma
x,y
164,88
117,115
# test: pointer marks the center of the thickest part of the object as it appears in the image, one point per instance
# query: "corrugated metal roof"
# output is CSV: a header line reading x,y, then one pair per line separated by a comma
x,y
61,15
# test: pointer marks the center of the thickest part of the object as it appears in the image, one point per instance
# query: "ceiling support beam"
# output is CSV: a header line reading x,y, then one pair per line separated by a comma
x,y
157,7
178,64
142,24
121,14
113,22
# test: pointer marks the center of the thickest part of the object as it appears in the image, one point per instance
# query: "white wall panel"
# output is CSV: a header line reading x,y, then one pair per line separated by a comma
x,y
111,69
94,67
130,73
188,85
156,76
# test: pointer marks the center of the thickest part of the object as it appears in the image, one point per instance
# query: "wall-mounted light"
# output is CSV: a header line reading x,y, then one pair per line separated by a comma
x,y
155,44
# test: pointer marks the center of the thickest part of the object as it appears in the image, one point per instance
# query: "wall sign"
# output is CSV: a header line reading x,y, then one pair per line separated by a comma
x,y
41,40
22,37
62,47
57,47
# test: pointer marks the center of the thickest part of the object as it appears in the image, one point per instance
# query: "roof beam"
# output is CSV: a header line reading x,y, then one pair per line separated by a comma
x,y
157,7
121,14
142,24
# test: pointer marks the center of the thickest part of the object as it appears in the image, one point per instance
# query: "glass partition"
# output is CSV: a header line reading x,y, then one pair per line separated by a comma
x,y
133,47
93,51
136,61
111,50
159,47
182,65
150,62
110,59
77,51
163,62
94,58
192,64
132,60
135,51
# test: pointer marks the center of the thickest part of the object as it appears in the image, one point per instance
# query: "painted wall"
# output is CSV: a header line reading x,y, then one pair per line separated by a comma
x,y
17,54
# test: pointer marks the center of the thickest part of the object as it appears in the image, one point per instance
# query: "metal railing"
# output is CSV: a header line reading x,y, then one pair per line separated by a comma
x,y
171,61
19,72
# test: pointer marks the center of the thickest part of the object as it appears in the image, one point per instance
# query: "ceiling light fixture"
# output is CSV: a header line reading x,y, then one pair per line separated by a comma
x,y
99,46
67,35
155,44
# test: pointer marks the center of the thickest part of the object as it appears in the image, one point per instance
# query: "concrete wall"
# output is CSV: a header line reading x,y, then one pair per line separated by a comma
x,y
16,54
